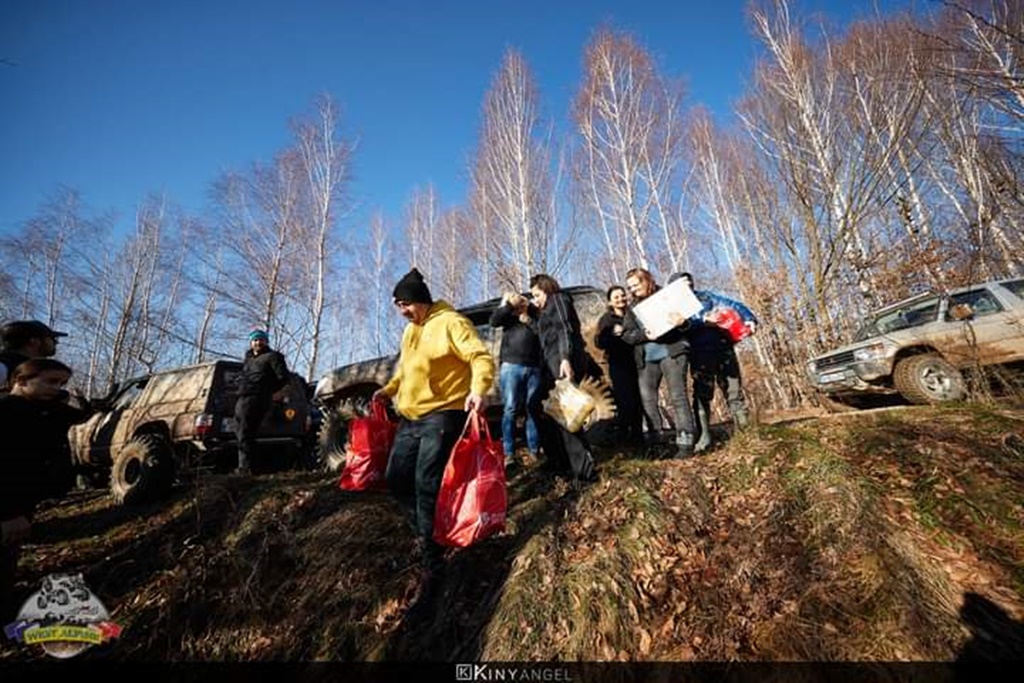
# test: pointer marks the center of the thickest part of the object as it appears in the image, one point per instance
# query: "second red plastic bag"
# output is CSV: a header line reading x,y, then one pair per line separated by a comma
x,y
730,321
369,445
472,502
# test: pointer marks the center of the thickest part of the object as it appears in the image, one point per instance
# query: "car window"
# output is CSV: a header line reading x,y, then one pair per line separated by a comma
x,y
127,397
1015,286
163,389
912,315
980,302
231,377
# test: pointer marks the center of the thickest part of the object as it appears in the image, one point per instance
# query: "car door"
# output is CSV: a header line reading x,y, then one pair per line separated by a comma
x,y
985,328
105,425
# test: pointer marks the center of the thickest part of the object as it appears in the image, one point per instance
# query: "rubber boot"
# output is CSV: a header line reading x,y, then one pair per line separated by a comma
x,y
704,442
684,445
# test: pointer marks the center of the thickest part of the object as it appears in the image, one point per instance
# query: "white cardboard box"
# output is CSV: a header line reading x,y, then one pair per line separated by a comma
x,y
664,309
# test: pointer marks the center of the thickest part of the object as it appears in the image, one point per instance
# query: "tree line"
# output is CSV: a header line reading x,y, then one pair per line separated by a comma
x,y
865,164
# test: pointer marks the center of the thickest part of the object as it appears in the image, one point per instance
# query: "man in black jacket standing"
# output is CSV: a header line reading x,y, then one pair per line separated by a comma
x,y
264,374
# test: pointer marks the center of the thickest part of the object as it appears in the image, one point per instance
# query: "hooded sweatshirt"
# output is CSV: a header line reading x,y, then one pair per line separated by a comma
x,y
442,361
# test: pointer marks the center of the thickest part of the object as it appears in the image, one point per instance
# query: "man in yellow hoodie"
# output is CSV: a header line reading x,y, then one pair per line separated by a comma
x,y
443,372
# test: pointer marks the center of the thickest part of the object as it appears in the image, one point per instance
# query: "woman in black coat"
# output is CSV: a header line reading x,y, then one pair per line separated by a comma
x,y
562,346
622,367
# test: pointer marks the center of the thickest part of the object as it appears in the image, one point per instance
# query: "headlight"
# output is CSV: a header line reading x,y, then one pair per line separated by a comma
x,y
870,352
811,367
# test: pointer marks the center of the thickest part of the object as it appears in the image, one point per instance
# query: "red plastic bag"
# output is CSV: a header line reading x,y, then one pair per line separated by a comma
x,y
731,322
472,501
369,445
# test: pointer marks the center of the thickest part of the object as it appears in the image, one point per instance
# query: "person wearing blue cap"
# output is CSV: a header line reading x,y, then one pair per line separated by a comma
x,y
264,373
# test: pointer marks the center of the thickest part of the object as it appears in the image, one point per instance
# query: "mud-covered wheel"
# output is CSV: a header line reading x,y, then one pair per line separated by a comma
x,y
143,471
330,447
928,378
333,436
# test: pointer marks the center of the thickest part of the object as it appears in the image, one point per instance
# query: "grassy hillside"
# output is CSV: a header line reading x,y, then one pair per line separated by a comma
x,y
887,535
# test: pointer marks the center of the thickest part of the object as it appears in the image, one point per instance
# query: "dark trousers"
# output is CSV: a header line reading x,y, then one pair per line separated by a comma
x,y
673,370
626,391
718,366
565,451
249,413
418,458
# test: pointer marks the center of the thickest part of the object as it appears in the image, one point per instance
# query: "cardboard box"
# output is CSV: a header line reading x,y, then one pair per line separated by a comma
x,y
667,308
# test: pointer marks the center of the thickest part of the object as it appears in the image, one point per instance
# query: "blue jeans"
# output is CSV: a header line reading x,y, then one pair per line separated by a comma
x,y
519,387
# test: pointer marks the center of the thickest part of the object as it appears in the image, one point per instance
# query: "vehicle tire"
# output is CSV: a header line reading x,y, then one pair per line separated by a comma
x,y
927,379
333,436
143,471
330,447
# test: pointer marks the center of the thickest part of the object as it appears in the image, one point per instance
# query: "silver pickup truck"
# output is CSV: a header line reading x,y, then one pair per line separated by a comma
x,y
919,347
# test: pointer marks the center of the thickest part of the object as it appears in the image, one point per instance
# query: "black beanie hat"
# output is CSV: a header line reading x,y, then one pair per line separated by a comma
x,y
413,289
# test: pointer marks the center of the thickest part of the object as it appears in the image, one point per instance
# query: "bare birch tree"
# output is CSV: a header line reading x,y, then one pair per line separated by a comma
x,y
139,295
454,260
262,215
421,217
49,247
326,158
973,94
629,121
511,184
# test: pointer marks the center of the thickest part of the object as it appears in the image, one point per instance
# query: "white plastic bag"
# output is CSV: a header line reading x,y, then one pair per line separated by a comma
x,y
569,405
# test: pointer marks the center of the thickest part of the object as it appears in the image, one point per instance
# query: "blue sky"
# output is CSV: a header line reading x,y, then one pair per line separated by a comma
x,y
120,98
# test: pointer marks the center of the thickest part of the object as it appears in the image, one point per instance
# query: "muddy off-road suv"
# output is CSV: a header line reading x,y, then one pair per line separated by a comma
x,y
920,347
345,392
154,429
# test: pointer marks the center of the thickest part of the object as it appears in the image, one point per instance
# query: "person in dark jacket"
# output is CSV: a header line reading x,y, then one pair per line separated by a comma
x,y
36,464
21,340
622,366
564,354
666,357
520,373
714,361
264,375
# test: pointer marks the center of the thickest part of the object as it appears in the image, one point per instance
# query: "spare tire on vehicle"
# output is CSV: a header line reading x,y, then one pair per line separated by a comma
x,y
331,441
143,470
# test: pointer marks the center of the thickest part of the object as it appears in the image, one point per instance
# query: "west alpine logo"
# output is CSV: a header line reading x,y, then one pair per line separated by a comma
x,y
64,618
